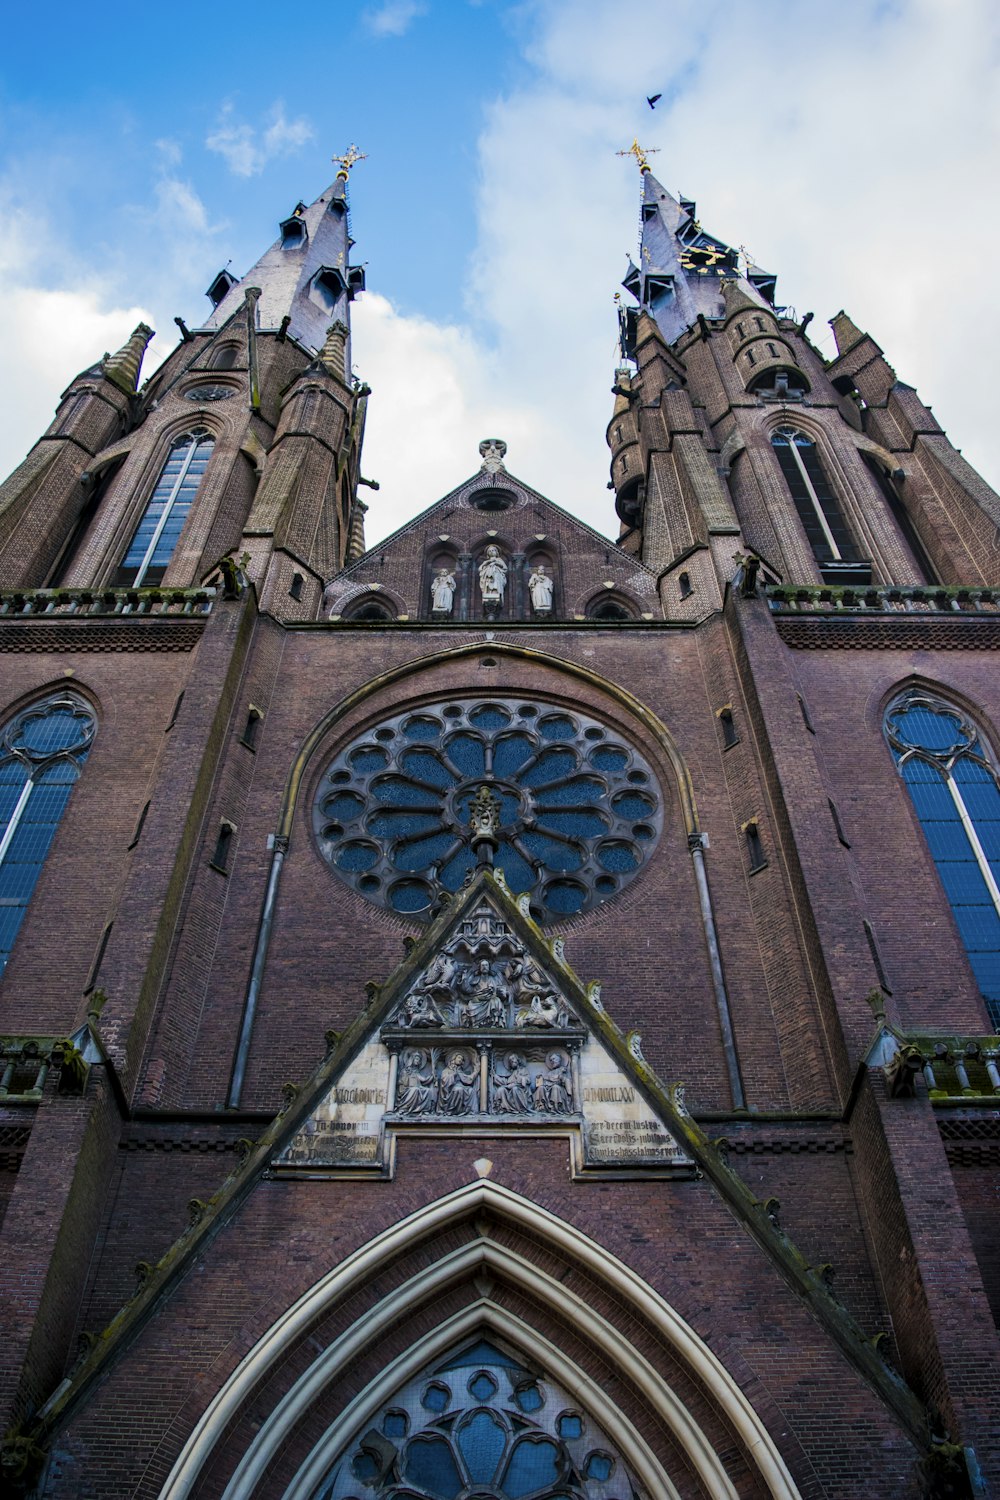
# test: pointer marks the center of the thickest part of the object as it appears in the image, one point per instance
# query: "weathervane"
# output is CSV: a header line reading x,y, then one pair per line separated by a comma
x,y
640,154
347,161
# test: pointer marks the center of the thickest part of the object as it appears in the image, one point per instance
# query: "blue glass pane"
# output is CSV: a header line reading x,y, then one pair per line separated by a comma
x,y
395,1424
482,1352
607,758
633,805
422,729
421,853
532,1465
963,882
947,840
585,823
582,789
356,857
427,767
932,730
482,1386
556,727
518,873
918,769
511,752
467,754
551,765
529,1397
550,853
482,1442
982,800
979,926
429,1463
410,895
436,1397
570,1426
986,967
170,501
564,897
399,825
454,872
598,1466
617,857
395,792
368,760
489,718
343,805
933,800
59,729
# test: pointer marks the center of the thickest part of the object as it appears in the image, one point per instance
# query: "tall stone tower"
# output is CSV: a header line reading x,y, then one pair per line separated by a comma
x,y
503,1015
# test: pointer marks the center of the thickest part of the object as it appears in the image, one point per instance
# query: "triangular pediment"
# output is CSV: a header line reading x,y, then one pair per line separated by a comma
x,y
484,1023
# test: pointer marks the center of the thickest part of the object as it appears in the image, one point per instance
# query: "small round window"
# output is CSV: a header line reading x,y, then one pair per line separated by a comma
x,y
579,808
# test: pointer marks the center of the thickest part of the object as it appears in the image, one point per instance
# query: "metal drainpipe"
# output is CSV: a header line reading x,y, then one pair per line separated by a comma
x,y
696,843
257,973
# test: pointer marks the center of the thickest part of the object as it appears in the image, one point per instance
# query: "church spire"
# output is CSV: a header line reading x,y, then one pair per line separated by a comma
x,y
682,270
305,277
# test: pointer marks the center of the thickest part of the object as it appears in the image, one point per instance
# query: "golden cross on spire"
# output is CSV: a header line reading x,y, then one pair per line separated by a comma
x,y
347,161
640,153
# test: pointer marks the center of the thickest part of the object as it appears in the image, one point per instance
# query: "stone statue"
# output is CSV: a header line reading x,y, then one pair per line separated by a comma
x,y
416,1091
419,1011
493,576
459,1082
540,587
442,591
486,998
541,1013
512,1090
553,1086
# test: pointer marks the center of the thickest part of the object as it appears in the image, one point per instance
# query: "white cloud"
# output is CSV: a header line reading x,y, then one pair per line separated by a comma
x,y
247,150
829,140
394,17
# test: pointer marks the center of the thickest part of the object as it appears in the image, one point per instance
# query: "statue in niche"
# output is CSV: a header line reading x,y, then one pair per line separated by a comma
x,y
485,1003
459,1084
512,1090
553,1086
416,1091
442,591
493,577
540,587
419,1012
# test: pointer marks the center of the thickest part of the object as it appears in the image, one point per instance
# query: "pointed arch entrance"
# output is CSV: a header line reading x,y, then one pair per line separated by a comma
x,y
488,1261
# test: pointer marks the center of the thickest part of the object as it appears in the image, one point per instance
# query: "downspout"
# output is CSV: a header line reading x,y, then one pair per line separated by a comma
x,y
696,843
280,847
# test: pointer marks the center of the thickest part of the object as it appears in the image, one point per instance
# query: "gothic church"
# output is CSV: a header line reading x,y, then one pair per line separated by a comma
x,y
501,1014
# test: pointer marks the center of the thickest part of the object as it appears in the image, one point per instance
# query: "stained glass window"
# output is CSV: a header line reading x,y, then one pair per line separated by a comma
x,y
41,752
480,1426
952,780
156,535
579,808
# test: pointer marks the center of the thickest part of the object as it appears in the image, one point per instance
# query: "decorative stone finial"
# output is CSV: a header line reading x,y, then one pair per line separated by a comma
x,y
484,816
123,367
492,450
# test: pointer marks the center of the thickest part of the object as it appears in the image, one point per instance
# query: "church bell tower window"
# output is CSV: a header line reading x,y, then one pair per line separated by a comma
x,y
42,750
817,505
157,534
952,782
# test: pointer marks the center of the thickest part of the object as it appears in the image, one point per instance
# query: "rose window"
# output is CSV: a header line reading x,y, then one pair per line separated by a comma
x,y
579,808
480,1426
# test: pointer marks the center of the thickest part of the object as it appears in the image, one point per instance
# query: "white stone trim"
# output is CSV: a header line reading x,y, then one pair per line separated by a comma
x,y
476,1198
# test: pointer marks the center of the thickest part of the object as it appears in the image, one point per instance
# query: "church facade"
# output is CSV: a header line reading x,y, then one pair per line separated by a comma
x,y
501,1014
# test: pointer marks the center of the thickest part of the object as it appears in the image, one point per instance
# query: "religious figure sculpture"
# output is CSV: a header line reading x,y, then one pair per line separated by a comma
x,y
486,997
416,1092
419,1011
541,1013
493,577
442,591
554,1087
540,586
512,1090
459,1081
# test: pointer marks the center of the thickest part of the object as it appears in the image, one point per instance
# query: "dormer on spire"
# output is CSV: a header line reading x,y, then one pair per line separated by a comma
x,y
305,276
682,270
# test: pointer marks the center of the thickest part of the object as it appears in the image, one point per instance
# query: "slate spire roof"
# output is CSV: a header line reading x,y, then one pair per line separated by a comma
x,y
683,270
306,274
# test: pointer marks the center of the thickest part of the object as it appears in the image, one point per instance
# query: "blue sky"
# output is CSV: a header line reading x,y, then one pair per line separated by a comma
x,y
852,148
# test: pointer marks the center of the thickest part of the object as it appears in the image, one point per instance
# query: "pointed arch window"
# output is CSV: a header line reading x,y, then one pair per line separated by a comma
x,y
156,535
817,504
42,750
953,782
481,1425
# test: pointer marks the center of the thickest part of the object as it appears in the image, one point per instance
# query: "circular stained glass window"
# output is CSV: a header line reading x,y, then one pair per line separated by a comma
x,y
579,808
